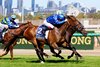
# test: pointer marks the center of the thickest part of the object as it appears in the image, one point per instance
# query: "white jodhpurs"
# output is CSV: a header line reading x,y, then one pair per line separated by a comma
x,y
2,26
48,24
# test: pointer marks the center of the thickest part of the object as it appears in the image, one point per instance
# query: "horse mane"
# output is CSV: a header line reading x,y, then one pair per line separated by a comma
x,y
71,17
58,26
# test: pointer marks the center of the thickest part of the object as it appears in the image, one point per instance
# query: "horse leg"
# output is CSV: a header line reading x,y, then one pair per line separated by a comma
x,y
42,55
6,52
74,52
40,44
39,55
11,49
11,52
77,52
38,51
59,51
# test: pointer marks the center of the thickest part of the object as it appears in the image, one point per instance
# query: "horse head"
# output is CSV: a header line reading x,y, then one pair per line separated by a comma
x,y
76,25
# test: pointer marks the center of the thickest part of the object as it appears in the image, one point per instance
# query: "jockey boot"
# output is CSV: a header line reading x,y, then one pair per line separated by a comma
x,y
0,36
3,33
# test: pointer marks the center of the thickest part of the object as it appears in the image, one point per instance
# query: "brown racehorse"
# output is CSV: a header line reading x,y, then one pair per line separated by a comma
x,y
56,37
64,34
9,40
74,25
11,36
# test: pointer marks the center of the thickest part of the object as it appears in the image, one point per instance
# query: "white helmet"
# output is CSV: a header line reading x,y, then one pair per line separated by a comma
x,y
59,12
13,16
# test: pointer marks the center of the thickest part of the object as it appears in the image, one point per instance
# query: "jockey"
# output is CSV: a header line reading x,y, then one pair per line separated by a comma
x,y
49,23
8,23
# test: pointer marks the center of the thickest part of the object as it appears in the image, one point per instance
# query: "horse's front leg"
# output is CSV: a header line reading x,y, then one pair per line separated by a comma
x,y
39,52
74,52
11,49
11,52
54,46
39,55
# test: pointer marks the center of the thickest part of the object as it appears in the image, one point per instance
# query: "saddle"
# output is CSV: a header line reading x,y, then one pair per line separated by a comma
x,y
41,31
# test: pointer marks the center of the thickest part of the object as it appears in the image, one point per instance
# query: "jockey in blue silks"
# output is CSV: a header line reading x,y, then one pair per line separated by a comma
x,y
49,23
8,23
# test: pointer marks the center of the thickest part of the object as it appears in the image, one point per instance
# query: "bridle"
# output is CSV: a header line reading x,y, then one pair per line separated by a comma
x,y
79,28
73,28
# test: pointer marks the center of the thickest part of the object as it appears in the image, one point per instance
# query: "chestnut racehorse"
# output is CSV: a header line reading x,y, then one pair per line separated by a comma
x,y
11,35
74,25
9,39
62,34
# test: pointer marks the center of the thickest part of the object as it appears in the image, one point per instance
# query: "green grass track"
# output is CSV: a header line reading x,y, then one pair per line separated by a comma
x,y
32,61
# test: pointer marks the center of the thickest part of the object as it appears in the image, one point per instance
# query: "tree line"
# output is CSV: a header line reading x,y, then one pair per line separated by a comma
x,y
39,16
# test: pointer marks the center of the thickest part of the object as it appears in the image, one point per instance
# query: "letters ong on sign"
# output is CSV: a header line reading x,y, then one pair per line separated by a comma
x,y
74,41
23,41
79,41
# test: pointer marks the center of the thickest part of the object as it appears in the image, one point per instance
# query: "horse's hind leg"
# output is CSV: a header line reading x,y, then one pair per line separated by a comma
x,y
11,52
6,52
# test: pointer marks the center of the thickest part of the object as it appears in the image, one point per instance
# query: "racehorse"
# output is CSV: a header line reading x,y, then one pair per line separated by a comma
x,y
9,39
62,34
74,25
11,36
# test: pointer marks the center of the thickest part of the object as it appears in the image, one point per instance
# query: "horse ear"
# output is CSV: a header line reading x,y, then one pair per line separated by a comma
x,y
30,23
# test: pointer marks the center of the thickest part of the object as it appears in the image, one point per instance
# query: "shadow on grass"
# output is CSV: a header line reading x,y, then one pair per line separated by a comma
x,y
10,58
57,61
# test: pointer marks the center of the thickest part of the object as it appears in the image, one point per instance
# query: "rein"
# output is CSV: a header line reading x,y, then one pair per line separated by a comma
x,y
73,28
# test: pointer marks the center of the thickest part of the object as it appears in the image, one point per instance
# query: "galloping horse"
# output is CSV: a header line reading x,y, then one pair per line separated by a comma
x,y
11,36
9,39
73,26
56,37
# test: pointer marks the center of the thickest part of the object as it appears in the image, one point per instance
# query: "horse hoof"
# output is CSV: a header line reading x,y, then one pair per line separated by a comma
x,y
42,62
81,57
54,55
68,57
62,58
46,55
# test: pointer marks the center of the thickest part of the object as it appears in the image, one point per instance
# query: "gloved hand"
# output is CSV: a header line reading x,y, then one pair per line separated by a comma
x,y
6,26
16,26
